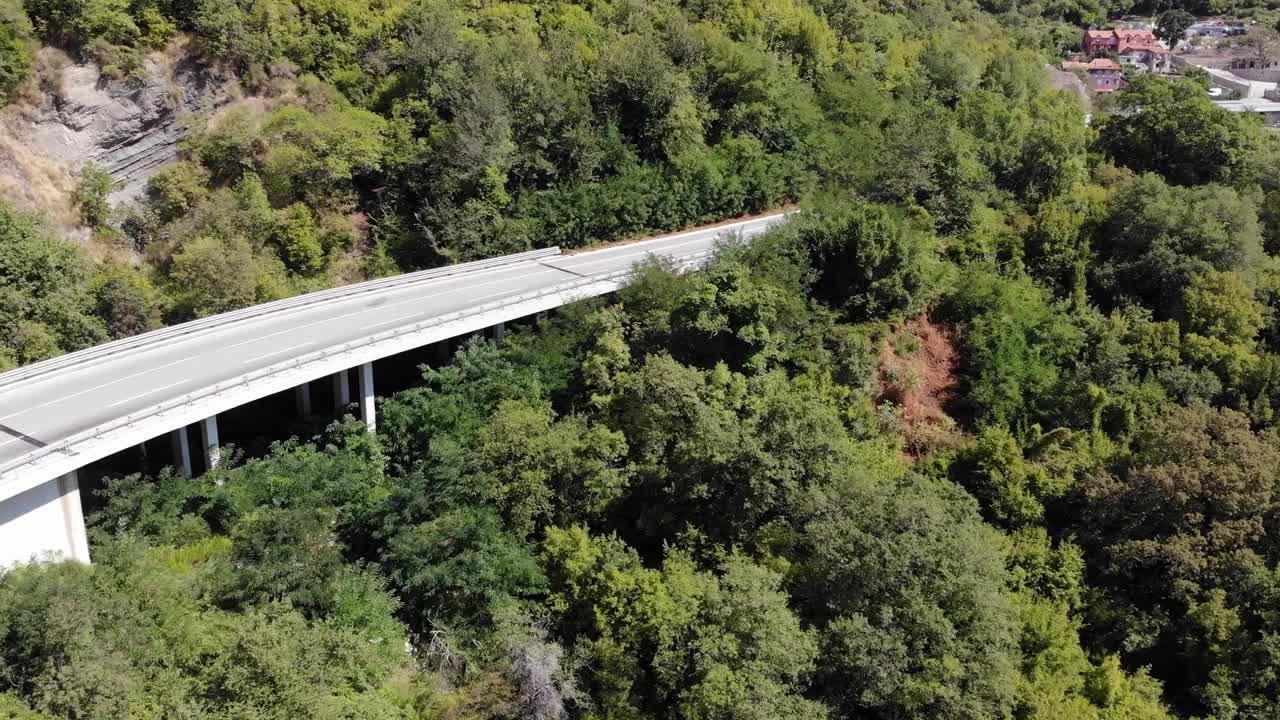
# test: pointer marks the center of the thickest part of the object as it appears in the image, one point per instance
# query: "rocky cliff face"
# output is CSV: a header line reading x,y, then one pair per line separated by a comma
x,y
129,127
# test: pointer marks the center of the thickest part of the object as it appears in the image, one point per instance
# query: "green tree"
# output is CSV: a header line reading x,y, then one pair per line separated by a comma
x,y
1206,483
1223,320
870,264
210,276
1172,26
907,587
15,59
1158,237
44,294
297,239
552,471
92,195
678,642
1018,344
126,301
176,190
1171,127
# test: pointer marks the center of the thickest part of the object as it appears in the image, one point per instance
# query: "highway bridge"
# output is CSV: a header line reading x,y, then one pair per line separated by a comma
x,y
59,415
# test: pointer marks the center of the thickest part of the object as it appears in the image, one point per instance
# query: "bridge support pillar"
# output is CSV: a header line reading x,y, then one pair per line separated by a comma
x,y
209,439
302,400
368,413
73,517
499,331
181,450
42,520
341,390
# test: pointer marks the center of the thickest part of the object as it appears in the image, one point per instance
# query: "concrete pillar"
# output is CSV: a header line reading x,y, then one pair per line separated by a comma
x,y
302,400
44,521
499,331
209,439
367,412
73,517
341,390
181,450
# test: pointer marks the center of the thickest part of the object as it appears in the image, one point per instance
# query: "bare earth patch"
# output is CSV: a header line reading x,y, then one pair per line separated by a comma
x,y
919,366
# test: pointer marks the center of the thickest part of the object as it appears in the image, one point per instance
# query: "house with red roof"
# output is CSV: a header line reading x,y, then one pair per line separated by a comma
x,y
1135,47
1105,75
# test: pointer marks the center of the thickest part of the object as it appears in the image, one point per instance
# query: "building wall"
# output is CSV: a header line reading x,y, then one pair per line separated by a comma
x,y
1260,75
47,517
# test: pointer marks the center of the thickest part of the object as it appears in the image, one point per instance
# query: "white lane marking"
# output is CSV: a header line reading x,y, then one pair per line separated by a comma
x,y
404,318
152,391
95,387
253,339
278,352
12,440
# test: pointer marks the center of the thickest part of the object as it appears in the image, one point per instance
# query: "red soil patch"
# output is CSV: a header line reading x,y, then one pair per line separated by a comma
x,y
919,367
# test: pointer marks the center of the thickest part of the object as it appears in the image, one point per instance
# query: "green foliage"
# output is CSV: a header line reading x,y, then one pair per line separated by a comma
x,y
126,301
1157,237
1018,343
1171,127
895,643
297,238
1222,321
1172,25
869,263
91,195
1206,483
15,56
77,23
44,294
177,189
134,633
708,645
212,276
315,157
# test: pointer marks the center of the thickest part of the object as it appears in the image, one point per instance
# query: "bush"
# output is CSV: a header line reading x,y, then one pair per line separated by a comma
x,y
91,195
15,61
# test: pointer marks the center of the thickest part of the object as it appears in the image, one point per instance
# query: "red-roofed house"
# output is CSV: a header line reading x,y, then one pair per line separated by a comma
x,y
1105,75
1099,41
1139,48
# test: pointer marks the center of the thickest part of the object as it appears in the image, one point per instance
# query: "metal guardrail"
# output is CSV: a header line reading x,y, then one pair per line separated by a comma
x,y
64,444
89,355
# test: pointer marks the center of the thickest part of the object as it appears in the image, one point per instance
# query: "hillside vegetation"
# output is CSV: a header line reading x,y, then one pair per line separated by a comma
x,y
987,431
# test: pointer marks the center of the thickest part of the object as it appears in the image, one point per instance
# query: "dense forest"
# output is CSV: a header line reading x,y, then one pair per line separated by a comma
x,y
987,430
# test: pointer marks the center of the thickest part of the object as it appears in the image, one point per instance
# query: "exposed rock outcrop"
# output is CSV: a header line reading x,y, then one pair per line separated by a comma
x,y
129,127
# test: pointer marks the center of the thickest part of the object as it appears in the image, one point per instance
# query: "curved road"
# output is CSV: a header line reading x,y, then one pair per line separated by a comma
x,y
58,406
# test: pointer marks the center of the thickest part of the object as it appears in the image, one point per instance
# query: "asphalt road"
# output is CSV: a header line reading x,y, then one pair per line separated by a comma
x,y
50,407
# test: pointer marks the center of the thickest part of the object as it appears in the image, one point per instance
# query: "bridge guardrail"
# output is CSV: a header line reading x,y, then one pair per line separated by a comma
x,y
89,355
